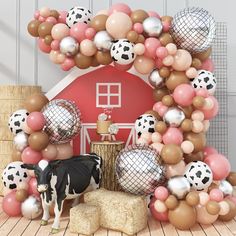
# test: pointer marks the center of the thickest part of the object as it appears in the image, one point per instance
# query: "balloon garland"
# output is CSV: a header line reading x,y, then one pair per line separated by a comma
x,y
191,182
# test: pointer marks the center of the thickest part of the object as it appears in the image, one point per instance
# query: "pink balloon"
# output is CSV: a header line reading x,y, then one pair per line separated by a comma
x,y
43,46
157,215
29,156
158,63
211,113
162,110
154,14
138,28
60,31
68,64
41,18
33,187
182,60
36,121
202,92
161,193
166,26
219,165
151,45
161,52
52,20
120,7
62,17
55,44
78,31
123,67
157,106
209,150
208,65
184,94
36,14
90,33
10,205
172,136
216,195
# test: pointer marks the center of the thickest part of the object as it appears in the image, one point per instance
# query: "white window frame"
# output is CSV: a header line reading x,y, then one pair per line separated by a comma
x,y
108,94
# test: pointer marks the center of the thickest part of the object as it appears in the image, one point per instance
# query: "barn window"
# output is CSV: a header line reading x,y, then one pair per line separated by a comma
x,y
108,95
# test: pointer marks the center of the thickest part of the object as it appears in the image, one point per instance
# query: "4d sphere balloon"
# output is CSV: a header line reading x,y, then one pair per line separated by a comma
x,y
13,174
78,14
205,79
102,40
145,123
152,26
226,187
174,117
199,175
122,51
155,79
31,208
17,121
69,46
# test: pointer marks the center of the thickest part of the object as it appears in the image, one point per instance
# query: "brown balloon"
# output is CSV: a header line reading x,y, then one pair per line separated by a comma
x,y
154,113
171,202
193,157
82,61
45,29
35,102
231,178
140,39
176,78
168,100
159,93
138,16
16,155
132,36
183,216
186,125
104,58
38,141
54,13
33,28
165,38
198,140
171,154
198,102
232,211
21,195
192,199
203,55
167,18
187,111
213,207
196,63
95,63
161,127
48,39
99,22
164,72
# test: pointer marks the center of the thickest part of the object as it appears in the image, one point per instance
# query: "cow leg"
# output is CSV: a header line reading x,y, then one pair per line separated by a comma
x,y
46,214
57,210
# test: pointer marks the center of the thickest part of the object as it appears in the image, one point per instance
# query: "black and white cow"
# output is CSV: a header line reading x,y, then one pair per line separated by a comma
x,y
65,179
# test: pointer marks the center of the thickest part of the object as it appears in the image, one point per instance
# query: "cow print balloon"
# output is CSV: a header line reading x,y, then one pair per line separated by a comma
x,y
14,174
78,14
199,175
17,120
122,51
145,123
205,79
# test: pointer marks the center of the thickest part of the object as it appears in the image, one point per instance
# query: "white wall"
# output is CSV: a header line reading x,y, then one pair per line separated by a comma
x,y
21,63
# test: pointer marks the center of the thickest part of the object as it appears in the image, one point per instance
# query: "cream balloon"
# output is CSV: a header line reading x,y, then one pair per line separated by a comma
x,y
182,60
88,48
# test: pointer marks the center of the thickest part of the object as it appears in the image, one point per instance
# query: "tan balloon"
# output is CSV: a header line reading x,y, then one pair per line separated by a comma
x,y
198,140
203,217
159,93
192,199
33,28
203,55
161,127
35,102
21,195
45,29
232,212
231,178
165,38
213,207
99,22
103,58
171,154
183,216
171,202
176,78
193,157
82,61
16,155
38,141
138,16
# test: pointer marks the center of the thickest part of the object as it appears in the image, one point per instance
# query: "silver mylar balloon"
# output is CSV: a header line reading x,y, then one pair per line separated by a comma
x,y
31,208
139,169
155,79
21,141
226,187
103,40
69,46
174,117
63,120
193,29
152,26
178,186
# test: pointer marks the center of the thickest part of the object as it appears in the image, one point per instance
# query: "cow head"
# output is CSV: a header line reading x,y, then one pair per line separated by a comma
x,y
43,173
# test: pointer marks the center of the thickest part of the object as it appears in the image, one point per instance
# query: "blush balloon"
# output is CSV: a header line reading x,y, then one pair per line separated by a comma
x,y
90,33
33,187
64,151
161,193
50,152
10,205
138,28
52,20
177,169
60,31
172,136
55,44
144,65
184,94
216,195
119,7
78,31
211,113
182,60
29,156
43,46
36,120
151,45
68,64
209,150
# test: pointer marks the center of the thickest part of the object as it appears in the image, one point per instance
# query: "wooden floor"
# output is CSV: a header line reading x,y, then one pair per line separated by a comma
x,y
16,226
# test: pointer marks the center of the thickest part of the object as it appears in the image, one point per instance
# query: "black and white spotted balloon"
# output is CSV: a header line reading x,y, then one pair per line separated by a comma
x,y
17,120
13,174
205,79
122,51
199,175
145,123
78,14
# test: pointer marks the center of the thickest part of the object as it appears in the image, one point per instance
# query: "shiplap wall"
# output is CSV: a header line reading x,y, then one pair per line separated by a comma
x,y
22,63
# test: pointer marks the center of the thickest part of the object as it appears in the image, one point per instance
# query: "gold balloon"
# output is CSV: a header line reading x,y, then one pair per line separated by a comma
x,y
193,157
104,58
138,16
213,207
232,211
132,36
203,55
35,102
165,38
192,199
54,13
196,63
159,93
198,102
164,72
82,61
198,140
21,195
187,111
140,39
171,154
187,125
38,141
176,78
231,178
168,100
161,127
48,39
33,28
99,22
171,202
45,29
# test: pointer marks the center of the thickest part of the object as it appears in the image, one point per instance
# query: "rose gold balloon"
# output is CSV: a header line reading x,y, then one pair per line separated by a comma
x,y
186,125
203,217
50,152
87,47
144,65
54,13
161,127
182,60
64,151
177,169
35,102
196,63
132,36
187,111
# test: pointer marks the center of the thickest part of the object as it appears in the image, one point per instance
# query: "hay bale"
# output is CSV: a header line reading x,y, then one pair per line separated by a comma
x,y
119,211
84,219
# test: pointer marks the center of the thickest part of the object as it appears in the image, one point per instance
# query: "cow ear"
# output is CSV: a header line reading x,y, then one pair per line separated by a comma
x,y
29,166
55,164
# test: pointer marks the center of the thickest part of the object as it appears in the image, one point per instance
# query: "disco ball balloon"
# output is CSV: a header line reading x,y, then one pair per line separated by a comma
x,y
63,120
139,169
193,29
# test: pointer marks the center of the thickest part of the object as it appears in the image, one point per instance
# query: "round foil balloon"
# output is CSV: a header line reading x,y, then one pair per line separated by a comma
x,y
174,117
31,208
69,46
139,169
63,121
193,29
155,79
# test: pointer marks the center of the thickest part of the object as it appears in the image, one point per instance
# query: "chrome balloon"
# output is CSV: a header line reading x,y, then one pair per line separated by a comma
x,y
193,29
174,117
226,187
31,208
139,169
21,141
155,79
178,186
152,26
69,46
103,40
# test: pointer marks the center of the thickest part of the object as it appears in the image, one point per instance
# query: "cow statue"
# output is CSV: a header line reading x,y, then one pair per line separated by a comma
x,y
65,179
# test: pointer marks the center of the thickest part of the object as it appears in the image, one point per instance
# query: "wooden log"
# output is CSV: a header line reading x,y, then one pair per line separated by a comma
x,y
108,151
